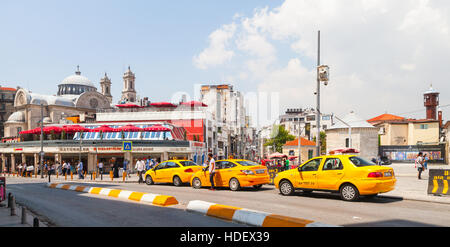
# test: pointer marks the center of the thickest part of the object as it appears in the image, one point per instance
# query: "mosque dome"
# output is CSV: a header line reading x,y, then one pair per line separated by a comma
x,y
17,117
75,85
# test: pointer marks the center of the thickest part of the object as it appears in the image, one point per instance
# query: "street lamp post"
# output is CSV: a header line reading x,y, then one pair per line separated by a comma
x,y
42,141
322,76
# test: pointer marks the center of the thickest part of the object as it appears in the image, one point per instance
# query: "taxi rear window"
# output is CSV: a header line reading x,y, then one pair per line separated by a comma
x,y
358,161
247,163
188,163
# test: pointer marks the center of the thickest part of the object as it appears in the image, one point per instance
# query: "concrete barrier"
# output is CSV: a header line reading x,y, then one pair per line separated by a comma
x,y
250,217
160,200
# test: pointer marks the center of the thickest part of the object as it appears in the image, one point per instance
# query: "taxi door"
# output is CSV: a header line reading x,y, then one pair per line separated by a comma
x,y
157,172
330,175
225,173
166,174
307,174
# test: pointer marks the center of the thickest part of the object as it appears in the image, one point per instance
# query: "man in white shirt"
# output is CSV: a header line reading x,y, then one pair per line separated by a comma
x,y
140,167
212,170
419,164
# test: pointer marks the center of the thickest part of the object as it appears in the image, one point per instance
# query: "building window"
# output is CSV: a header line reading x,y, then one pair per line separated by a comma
x,y
326,118
347,142
311,118
424,126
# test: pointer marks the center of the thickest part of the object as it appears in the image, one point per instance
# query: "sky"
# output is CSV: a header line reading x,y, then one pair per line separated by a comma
x,y
383,55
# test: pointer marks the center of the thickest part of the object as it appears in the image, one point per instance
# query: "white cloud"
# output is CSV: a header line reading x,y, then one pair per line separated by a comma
x,y
382,54
217,52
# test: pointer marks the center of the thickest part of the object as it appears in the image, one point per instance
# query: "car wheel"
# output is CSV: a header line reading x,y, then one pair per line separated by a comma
x,y
349,192
196,183
149,180
177,181
286,188
234,184
257,187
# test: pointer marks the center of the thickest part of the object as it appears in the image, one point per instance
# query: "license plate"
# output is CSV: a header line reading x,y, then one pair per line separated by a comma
x,y
388,174
260,171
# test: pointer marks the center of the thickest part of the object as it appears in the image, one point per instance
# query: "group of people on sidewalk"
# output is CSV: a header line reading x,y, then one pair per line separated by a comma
x,y
421,163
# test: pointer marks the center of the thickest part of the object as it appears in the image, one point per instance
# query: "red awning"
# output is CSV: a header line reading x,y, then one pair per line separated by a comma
x,y
344,151
194,103
277,155
130,128
163,104
52,129
104,128
156,127
74,128
129,105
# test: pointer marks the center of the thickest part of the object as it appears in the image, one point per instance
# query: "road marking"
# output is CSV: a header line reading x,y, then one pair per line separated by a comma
x,y
161,200
249,217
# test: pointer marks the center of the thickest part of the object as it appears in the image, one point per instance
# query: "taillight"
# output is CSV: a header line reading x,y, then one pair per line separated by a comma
x,y
248,172
375,175
189,170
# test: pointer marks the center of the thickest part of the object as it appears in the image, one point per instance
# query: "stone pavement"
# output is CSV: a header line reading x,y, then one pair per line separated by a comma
x,y
408,187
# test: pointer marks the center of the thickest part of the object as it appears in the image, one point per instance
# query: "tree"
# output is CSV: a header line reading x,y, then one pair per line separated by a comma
x,y
323,142
278,138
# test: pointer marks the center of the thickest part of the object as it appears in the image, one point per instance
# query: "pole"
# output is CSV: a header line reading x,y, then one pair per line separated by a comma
x,y
299,143
42,141
318,97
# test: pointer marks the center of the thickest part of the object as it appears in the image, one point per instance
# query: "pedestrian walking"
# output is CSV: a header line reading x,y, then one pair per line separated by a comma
x,y
419,164
24,170
100,167
425,161
80,170
140,166
115,167
212,170
64,168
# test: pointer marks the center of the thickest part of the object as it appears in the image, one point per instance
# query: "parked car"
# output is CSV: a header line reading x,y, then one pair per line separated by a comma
x,y
349,175
172,171
233,173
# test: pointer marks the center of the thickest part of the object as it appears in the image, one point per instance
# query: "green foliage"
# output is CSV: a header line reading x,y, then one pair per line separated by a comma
x,y
278,138
323,142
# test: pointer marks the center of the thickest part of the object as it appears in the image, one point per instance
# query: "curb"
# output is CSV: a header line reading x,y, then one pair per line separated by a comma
x,y
248,216
160,200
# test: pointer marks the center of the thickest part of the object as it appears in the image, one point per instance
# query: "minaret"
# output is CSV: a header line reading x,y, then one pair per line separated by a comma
x,y
105,84
431,101
129,91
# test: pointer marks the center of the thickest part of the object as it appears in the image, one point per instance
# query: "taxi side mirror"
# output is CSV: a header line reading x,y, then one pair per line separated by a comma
x,y
299,169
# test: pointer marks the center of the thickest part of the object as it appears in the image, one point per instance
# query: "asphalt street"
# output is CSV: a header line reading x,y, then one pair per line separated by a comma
x,y
69,208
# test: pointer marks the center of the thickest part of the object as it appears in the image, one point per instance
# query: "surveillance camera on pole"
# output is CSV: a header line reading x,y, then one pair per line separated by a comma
x,y
324,74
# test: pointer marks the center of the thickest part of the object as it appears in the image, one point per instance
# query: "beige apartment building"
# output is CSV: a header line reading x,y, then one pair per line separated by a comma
x,y
409,132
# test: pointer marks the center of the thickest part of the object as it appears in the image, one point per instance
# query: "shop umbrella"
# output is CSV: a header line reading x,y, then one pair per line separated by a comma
x,y
277,155
128,105
74,128
130,128
194,103
163,104
52,129
156,128
104,128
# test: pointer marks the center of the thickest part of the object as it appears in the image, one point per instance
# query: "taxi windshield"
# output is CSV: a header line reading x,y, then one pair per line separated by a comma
x,y
188,163
247,163
358,161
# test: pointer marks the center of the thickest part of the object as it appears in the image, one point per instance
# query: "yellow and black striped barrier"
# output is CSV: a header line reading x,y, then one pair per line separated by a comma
x,y
438,182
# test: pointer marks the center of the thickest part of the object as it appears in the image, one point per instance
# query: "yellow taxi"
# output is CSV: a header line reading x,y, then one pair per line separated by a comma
x,y
172,171
233,173
350,175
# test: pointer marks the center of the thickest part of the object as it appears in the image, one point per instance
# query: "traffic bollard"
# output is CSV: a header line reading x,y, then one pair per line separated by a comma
x,y
111,175
95,174
65,176
24,215
71,175
35,222
9,199
13,206
124,175
57,174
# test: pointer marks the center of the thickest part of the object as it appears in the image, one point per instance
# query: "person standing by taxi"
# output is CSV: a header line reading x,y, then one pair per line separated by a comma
x,y
140,167
212,170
